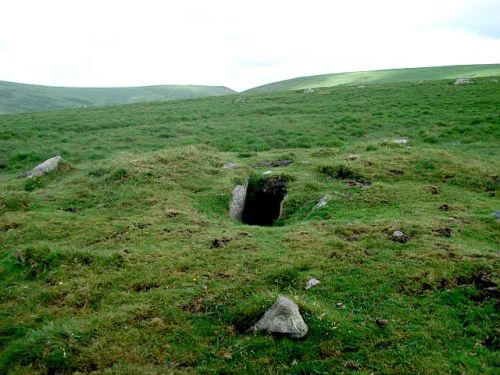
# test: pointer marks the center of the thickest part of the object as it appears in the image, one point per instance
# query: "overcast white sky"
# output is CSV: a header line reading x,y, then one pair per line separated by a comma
x,y
239,44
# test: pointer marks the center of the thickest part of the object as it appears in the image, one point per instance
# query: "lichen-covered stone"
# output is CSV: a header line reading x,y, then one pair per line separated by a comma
x,y
284,318
230,166
43,168
401,141
399,236
311,283
463,81
322,202
238,202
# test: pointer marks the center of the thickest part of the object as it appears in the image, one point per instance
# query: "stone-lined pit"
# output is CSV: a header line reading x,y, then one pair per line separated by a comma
x,y
264,201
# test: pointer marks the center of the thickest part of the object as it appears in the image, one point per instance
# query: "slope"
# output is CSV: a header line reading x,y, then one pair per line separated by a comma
x,y
18,98
382,76
125,259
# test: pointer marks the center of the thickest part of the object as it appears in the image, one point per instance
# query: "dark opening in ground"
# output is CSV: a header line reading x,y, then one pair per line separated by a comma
x,y
263,201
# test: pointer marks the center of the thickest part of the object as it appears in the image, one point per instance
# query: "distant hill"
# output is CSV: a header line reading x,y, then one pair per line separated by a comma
x,y
382,76
18,97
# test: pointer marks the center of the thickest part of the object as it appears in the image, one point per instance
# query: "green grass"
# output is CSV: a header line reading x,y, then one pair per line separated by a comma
x,y
382,76
19,98
106,265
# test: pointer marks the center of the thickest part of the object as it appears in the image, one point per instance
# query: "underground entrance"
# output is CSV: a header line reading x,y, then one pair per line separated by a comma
x,y
263,201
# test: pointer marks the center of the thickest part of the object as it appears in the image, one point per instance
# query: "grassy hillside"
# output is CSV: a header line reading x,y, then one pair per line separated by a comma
x,y
108,265
18,98
382,76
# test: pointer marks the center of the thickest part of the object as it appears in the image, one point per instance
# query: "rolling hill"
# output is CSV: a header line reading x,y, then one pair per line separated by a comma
x,y
382,76
19,98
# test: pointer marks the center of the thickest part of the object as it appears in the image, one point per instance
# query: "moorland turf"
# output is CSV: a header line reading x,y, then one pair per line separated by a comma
x,y
108,264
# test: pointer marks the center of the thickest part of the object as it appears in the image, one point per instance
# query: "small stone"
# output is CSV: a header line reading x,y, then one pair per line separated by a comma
x,y
496,214
311,283
230,166
463,81
340,305
399,236
351,157
382,322
267,173
308,91
43,168
323,201
284,318
401,141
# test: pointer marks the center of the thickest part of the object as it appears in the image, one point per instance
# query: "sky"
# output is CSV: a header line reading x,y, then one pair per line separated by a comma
x,y
233,43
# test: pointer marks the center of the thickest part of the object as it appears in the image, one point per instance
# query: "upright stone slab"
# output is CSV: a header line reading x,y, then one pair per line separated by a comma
x,y
43,168
238,202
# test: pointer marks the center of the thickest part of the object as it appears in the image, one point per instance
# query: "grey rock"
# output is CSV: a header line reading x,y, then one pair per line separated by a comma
x,y
267,173
283,317
230,166
401,141
238,202
496,214
308,91
399,236
311,283
382,322
322,202
352,157
43,168
463,81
